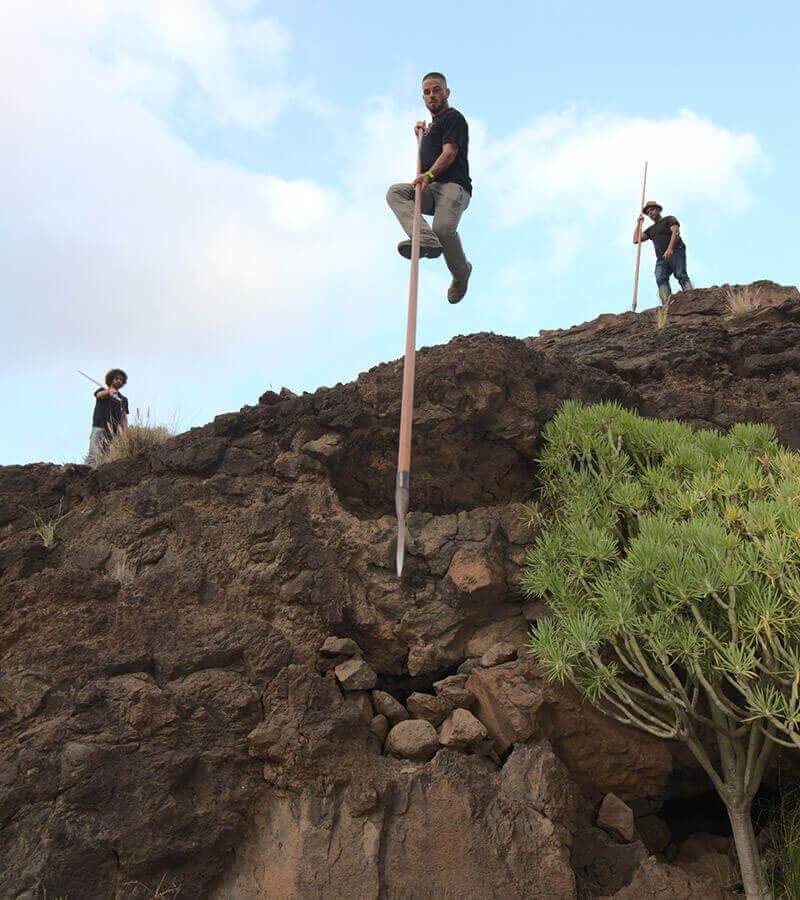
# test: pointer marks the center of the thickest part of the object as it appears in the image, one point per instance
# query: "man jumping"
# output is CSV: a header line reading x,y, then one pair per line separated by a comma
x,y
665,233
446,186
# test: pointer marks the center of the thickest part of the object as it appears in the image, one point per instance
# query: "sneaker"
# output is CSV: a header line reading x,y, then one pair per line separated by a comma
x,y
426,251
457,289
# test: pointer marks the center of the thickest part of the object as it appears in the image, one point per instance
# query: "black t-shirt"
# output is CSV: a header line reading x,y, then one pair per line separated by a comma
x,y
108,412
660,234
449,127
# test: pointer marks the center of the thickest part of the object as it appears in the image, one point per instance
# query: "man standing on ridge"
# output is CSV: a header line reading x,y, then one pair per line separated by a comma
x,y
665,233
446,186
110,414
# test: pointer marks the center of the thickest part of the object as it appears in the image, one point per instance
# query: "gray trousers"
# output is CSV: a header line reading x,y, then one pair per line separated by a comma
x,y
98,441
445,202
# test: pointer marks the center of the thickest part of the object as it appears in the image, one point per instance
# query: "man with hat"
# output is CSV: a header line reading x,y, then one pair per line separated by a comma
x,y
665,233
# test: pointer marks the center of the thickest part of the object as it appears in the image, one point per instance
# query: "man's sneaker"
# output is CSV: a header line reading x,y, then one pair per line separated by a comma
x,y
426,251
457,289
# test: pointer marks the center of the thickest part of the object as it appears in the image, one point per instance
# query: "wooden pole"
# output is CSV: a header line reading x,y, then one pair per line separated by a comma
x,y
401,493
639,245
94,381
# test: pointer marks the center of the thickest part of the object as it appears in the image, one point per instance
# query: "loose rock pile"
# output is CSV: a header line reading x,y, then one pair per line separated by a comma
x,y
410,731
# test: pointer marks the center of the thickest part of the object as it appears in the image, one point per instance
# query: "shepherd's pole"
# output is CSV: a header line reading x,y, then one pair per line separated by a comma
x,y
639,244
401,492
95,381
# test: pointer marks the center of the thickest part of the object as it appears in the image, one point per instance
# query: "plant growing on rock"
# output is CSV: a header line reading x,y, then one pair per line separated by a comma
x,y
671,561
141,435
742,300
45,526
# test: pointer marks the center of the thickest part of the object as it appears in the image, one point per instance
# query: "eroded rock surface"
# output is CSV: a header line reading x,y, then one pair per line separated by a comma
x,y
165,711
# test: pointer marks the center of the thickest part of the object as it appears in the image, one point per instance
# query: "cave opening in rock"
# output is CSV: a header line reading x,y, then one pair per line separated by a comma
x,y
401,687
703,812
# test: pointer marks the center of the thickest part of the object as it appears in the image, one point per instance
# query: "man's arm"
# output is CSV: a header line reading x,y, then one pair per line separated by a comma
x,y
639,237
676,233
442,163
107,392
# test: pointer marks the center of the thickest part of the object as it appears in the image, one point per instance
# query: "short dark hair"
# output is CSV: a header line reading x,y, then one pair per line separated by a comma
x,y
115,373
436,75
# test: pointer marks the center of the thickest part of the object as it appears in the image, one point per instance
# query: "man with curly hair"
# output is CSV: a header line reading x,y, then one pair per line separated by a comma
x,y
110,414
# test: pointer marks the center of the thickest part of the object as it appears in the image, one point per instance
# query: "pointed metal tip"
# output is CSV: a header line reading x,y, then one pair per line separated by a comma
x,y
401,507
401,548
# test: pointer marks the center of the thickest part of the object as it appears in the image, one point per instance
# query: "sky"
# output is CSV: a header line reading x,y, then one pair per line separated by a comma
x,y
194,190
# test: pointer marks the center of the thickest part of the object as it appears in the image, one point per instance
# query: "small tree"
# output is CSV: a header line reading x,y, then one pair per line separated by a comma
x,y
671,562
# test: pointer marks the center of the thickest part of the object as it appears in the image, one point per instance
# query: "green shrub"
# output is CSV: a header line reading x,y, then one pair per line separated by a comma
x,y
671,561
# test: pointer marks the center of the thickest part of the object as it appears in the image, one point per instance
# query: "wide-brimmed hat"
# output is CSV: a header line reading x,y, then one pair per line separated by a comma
x,y
650,203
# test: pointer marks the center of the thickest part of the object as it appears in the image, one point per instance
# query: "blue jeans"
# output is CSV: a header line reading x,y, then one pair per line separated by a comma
x,y
675,266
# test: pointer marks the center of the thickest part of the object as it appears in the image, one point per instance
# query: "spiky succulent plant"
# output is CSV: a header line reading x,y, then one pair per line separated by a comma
x,y
671,562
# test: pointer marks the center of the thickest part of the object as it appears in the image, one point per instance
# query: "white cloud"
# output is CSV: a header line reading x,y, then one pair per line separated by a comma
x,y
220,57
589,166
116,230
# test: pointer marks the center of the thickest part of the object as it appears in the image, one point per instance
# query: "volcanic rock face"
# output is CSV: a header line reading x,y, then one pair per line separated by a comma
x,y
165,712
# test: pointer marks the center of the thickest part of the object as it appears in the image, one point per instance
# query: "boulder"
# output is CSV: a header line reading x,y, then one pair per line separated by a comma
x,y
476,575
655,880
336,646
706,855
361,701
462,731
499,653
456,827
616,817
386,705
415,739
355,675
379,726
654,832
426,706
468,665
506,704
454,692
603,865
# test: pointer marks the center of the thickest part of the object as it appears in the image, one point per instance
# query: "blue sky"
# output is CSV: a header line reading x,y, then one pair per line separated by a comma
x,y
194,190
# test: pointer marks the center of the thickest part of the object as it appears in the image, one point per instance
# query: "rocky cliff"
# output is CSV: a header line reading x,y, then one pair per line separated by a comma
x,y
175,719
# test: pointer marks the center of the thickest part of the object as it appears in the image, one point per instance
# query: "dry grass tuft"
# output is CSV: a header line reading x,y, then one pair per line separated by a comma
x,y
123,571
139,891
45,526
743,300
141,435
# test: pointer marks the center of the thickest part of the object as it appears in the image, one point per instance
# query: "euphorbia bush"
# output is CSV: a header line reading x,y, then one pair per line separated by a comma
x,y
671,562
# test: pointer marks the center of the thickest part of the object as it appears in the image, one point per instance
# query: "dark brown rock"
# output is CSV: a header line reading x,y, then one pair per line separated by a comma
x,y
454,692
334,646
656,880
126,704
431,709
498,654
415,739
386,705
462,731
616,817
355,675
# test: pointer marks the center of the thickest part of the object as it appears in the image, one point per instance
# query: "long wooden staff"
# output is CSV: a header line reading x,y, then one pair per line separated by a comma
x,y
639,244
95,381
401,492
